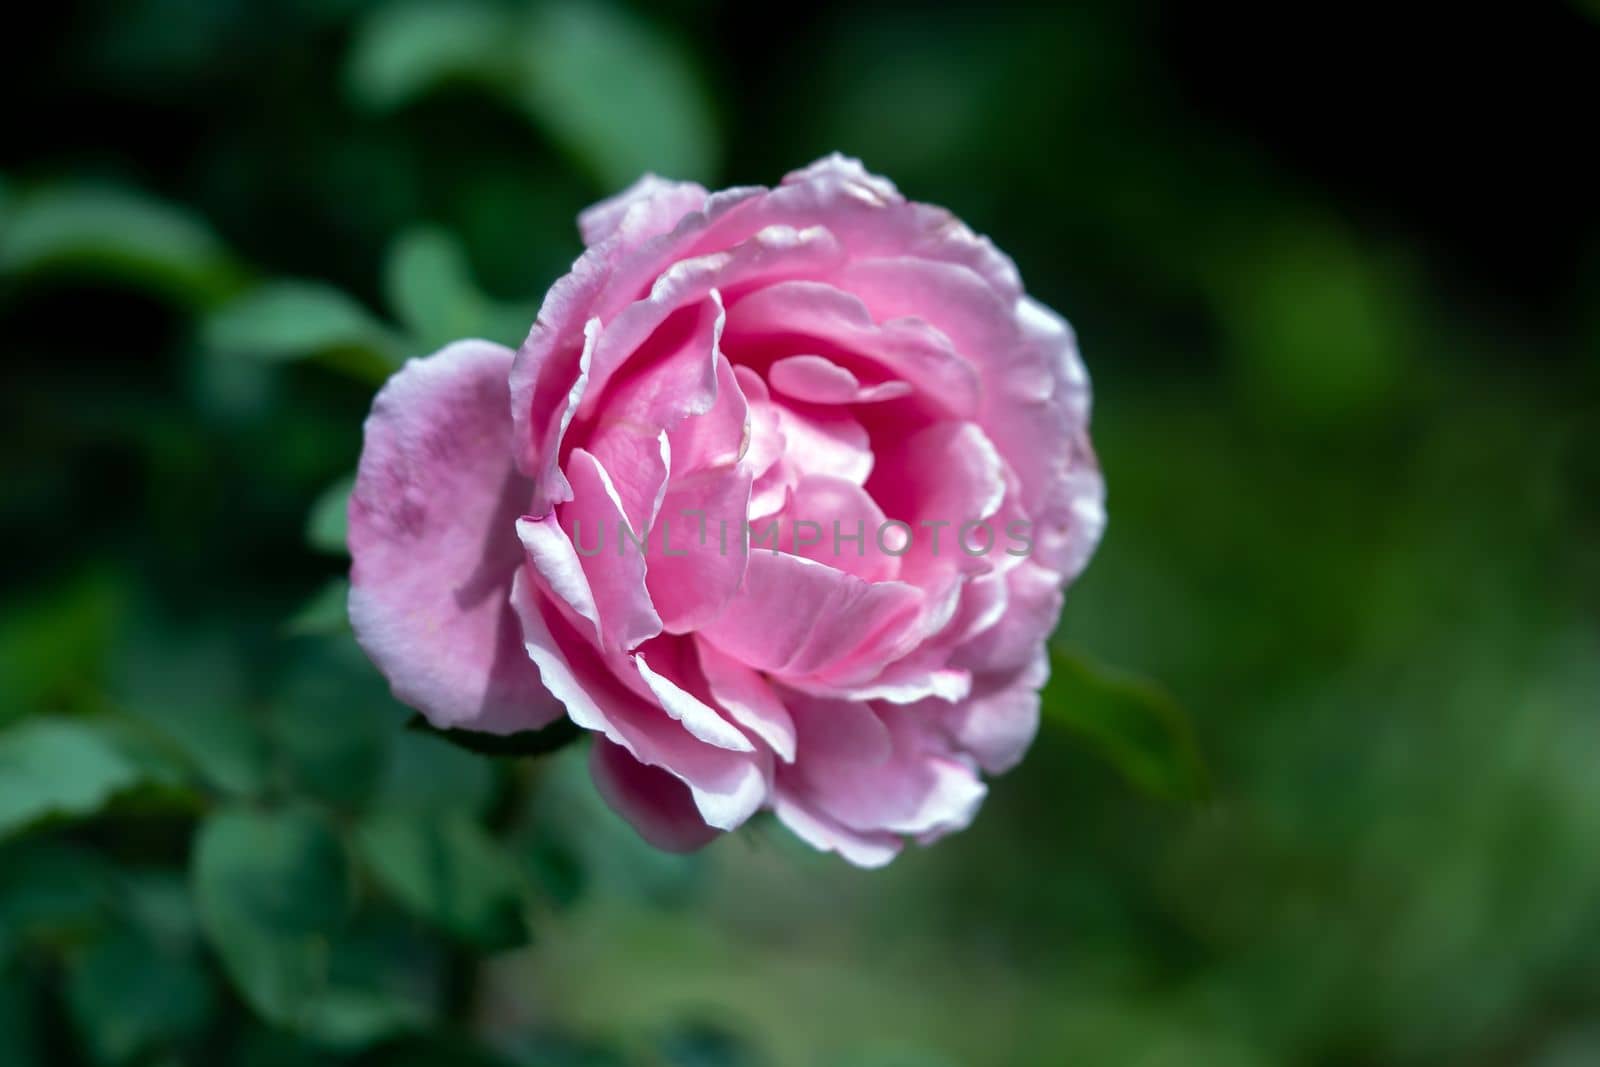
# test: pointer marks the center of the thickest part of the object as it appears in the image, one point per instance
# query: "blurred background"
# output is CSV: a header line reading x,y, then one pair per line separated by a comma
x,y
1319,782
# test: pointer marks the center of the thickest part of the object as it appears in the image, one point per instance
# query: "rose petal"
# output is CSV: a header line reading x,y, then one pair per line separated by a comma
x,y
433,544
699,551
844,524
819,380
868,850
798,617
650,206
816,315
698,717
748,699
727,787
658,805
915,789
582,553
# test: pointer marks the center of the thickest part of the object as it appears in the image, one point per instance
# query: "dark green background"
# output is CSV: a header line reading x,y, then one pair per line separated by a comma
x,y
1337,279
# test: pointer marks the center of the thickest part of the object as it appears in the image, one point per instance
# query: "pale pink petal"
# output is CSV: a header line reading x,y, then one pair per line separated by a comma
x,y
635,461
698,553
836,522
551,375
819,380
645,209
774,320
658,805
917,789
699,718
798,617
766,436
813,378
869,850
1033,604
727,787
821,440
670,377
829,730
922,230
719,437
906,681
434,547
587,533
747,698
764,257
998,721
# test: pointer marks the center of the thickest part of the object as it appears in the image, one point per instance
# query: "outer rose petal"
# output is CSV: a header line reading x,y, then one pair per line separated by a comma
x,y
727,787
434,546
659,806
825,834
649,206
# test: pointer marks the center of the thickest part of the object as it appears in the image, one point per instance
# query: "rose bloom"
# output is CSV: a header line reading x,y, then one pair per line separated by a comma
x,y
562,530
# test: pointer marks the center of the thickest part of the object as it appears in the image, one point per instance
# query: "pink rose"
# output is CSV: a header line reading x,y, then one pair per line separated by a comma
x,y
778,499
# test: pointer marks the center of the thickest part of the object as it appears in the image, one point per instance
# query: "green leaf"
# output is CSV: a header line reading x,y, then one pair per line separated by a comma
x,y
192,690
328,524
619,95
52,893
119,234
552,738
50,643
429,286
285,321
331,723
595,852
1319,327
428,774
404,50
20,1040
130,996
326,612
59,767
448,871
273,889
1135,724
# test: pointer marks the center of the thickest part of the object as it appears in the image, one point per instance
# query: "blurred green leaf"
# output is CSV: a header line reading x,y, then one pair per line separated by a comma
x,y
404,50
52,643
1135,724
549,1048
556,869
19,1038
116,233
273,890
571,842
705,1044
428,774
430,287
130,997
284,321
432,1050
59,767
450,872
326,612
193,691
327,524
621,96
52,892
1320,328
331,722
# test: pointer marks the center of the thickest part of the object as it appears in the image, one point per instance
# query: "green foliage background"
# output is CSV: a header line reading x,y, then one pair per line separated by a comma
x,y
1336,278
